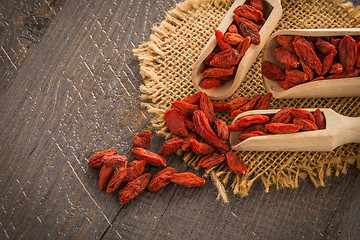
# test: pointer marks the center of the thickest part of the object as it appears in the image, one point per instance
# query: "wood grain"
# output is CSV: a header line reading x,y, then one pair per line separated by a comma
x,y
68,88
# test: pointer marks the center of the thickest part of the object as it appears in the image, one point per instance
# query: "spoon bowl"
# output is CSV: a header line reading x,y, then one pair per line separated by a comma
x,y
272,13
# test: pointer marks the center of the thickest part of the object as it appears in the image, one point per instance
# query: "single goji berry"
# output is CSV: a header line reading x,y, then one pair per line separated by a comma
x,y
142,139
220,38
286,42
354,72
325,47
209,83
327,63
207,107
357,62
161,179
307,69
303,114
208,59
200,148
233,38
150,157
282,116
248,12
336,68
286,85
249,30
306,124
235,163
317,79
175,123
218,72
186,144
247,107
221,129
237,103
347,52
184,108
254,128
114,160
304,50
170,146
243,46
96,160
225,78
134,169
232,29
257,4
272,71
285,58
247,135
211,160
188,123
134,188
319,119
226,58
221,106
336,43
105,176
264,102
117,178
204,130
282,128
238,20
187,179
246,121
295,76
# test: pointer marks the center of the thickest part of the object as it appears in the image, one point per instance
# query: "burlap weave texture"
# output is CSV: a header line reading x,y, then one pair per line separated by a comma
x,y
166,62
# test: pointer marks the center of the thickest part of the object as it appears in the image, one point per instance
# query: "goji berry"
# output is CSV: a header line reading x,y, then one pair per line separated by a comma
x,y
134,188
286,42
175,123
225,59
336,68
243,46
264,102
150,157
220,38
325,47
327,63
187,179
306,124
238,20
208,59
200,148
253,128
235,163
257,4
114,160
184,108
218,72
295,76
248,12
211,160
134,169
286,85
221,129
357,62
142,139
233,38
307,69
283,128
193,98
170,146
246,121
347,52
317,79
105,176
117,178
319,119
354,72
247,107
272,71
221,106
186,144
96,160
285,58
161,179
282,116
209,83
249,30
237,103
232,29
207,107
305,51
247,135
303,114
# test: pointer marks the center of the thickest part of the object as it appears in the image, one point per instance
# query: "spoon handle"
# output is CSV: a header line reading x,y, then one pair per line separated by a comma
x,y
351,130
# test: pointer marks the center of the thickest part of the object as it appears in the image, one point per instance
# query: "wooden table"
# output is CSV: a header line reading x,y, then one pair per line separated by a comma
x,y
69,87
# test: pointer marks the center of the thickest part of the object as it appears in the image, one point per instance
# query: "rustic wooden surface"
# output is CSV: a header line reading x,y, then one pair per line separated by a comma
x,y
69,87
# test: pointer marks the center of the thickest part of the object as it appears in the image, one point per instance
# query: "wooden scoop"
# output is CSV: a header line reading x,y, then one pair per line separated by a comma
x,y
339,130
272,13
342,87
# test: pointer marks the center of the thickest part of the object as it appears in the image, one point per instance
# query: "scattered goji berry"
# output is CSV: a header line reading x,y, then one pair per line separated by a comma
x,y
105,176
283,128
246,121
347,52
193,98
117,178
96,160
114,160
134,188
272,71
150,157
207,107
235,163
247,107
161,179
237,103
200,148
134,169
221,106
142,139
186,144
264,102
221,129
211,160
170,146
175,123
187,179
184,108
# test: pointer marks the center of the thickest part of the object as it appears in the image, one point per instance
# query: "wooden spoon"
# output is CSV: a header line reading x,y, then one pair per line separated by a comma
x,y
339,130
342,87
272,13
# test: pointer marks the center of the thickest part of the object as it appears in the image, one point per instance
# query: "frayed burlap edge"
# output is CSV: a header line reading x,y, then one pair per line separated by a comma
x,y
288,176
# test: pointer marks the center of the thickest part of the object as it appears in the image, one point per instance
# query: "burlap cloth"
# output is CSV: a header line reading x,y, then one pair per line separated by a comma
x,y
166,62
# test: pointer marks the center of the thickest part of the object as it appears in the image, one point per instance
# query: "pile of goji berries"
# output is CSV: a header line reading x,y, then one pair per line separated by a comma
x,y
222,62
287,120
307,59
132,174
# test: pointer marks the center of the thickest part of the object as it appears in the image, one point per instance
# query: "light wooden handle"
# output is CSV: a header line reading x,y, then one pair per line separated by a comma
x,y
351,130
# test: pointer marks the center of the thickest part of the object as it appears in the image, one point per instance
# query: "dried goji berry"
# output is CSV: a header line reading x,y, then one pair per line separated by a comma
x,y
357,62
226,78
170,146
317,79
235,163
200,148
232,29
282,128
286,42
117,178
96,160
142,139
226,58
188,123
114,160
328,61
285,58
238,20
220,38
295,76
336,43
218,72
347,52
150,157
237,103
306,124
325,47
221,129
305,51
221,106
243,46
336,68
187,179
272,71
264,102
246,121
161,179
247,107
105,176
233,38
282,116
303,114
286,85
184,108
134,188
253,128
248,12
186,144
207,107
249,30
354,72
319,119
134,169
208,59
211,160
209,83
204,130
257,4
247,135
307,69
175,123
